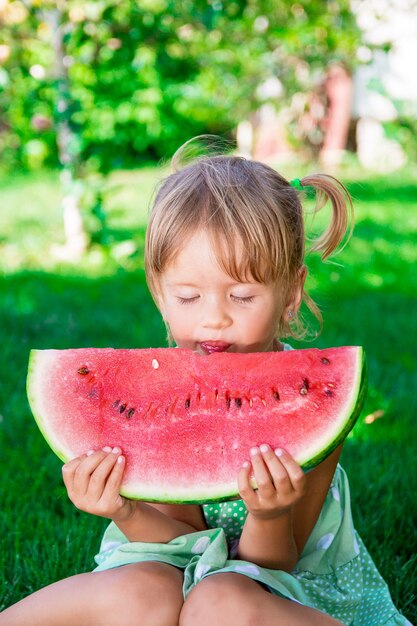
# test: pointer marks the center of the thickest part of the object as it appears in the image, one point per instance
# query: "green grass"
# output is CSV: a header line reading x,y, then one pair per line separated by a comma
x,y
368,298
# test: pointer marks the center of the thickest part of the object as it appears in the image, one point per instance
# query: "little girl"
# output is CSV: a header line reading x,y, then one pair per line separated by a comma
x,y
225,264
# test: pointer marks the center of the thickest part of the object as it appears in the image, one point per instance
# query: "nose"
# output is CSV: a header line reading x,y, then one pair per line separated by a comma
x,y
216,315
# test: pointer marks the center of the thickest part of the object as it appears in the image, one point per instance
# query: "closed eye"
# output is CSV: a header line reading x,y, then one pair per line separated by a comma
x,y
241,300
187,300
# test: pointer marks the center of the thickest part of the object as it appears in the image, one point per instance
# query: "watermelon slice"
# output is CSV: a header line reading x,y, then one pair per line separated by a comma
x,y
186,422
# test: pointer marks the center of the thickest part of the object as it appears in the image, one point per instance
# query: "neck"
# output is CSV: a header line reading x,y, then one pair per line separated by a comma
x,y
277,346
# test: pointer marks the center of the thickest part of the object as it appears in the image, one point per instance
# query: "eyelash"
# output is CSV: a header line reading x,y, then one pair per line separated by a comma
x,y
187,300
246,300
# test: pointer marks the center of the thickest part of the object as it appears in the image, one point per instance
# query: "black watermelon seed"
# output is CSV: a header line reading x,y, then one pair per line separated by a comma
x,y
304,389
325,361
275,394
238,402
187,403
83,371
122,408
116,404
228,402
328,392
130,413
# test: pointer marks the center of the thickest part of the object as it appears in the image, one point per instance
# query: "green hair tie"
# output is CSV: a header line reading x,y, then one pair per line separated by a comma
x,y
296,183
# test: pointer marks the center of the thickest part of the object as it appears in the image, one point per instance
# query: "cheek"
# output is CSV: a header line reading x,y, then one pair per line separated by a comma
x,y
177,318
267,318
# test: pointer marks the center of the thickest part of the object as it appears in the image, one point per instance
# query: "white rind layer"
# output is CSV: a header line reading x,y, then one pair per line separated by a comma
x,y
346,410
40,364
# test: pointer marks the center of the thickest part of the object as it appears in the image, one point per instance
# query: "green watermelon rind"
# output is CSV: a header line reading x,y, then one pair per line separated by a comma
x,y
35,370
355,411
226,493
218,493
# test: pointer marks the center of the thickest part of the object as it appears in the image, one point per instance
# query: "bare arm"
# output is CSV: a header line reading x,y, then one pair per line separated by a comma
x,y
269,543
284,509
307,510
157,523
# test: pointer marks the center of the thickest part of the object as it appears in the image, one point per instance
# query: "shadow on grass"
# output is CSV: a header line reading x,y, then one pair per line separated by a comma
x,y
40,310
371,301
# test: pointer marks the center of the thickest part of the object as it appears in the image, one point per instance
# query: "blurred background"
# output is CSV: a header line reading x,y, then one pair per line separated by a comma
x,y
92,88
95,96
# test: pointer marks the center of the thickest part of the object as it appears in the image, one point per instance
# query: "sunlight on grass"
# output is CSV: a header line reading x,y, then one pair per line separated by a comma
x,y
367,296
31,226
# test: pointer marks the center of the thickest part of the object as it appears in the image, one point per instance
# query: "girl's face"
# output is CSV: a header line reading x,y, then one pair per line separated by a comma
x,y
208,311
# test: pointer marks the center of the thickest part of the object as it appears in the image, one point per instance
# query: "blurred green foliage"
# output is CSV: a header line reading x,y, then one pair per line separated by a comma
x,y
135,78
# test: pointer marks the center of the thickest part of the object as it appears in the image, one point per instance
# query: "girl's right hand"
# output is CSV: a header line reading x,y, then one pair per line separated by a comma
x,y
93,483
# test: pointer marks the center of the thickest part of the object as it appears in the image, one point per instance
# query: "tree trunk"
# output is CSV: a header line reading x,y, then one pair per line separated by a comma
x,y
76,239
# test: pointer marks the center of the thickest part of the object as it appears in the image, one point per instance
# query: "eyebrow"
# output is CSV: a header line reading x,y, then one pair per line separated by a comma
x,y
181,285
195,285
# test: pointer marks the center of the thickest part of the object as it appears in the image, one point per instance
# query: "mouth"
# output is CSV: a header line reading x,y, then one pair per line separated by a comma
x,y
208,347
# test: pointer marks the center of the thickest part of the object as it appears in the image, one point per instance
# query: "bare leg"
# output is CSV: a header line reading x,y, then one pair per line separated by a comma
x,y
235,600
141,594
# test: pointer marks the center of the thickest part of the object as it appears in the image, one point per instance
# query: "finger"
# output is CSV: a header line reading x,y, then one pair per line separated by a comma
x,y
278,471
68,471
100,475
246,490
112,488
293,469
261,473
87,466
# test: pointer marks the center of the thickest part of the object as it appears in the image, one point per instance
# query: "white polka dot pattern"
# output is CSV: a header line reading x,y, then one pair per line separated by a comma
x,y
230,516
334,573
200,545
325,541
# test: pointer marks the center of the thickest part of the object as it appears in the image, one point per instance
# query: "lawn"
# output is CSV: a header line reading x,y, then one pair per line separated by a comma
x,y
368,298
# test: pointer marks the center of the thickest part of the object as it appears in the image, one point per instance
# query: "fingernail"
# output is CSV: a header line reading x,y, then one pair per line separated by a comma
x,y
90,452
245,464
279,452
116,450
120,459
264,447
254,451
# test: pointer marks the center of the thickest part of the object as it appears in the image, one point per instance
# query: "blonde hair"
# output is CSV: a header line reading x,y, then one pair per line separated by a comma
x,y
236,199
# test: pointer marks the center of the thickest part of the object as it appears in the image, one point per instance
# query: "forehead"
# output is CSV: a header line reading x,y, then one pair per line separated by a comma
x,y
200,259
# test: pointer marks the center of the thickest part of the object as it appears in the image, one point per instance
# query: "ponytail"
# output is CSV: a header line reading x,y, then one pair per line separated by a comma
x,y
329,188
331,241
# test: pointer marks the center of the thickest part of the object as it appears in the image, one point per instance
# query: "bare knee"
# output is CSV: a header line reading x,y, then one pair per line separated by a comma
x,y
222,598
149,594
150,591
235,599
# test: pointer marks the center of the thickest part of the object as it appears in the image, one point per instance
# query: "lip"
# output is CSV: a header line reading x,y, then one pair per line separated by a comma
x,y
209,347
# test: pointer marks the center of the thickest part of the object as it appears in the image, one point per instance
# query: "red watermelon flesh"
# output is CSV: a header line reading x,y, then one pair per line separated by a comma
x,y
186,422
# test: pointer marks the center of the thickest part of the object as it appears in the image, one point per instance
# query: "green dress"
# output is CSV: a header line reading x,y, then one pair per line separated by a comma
x,y
334,573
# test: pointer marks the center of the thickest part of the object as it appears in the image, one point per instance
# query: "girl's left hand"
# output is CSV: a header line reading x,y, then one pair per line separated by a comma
x,y
279,479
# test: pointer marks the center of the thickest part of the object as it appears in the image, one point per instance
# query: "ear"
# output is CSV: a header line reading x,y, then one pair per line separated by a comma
x,y
296,297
